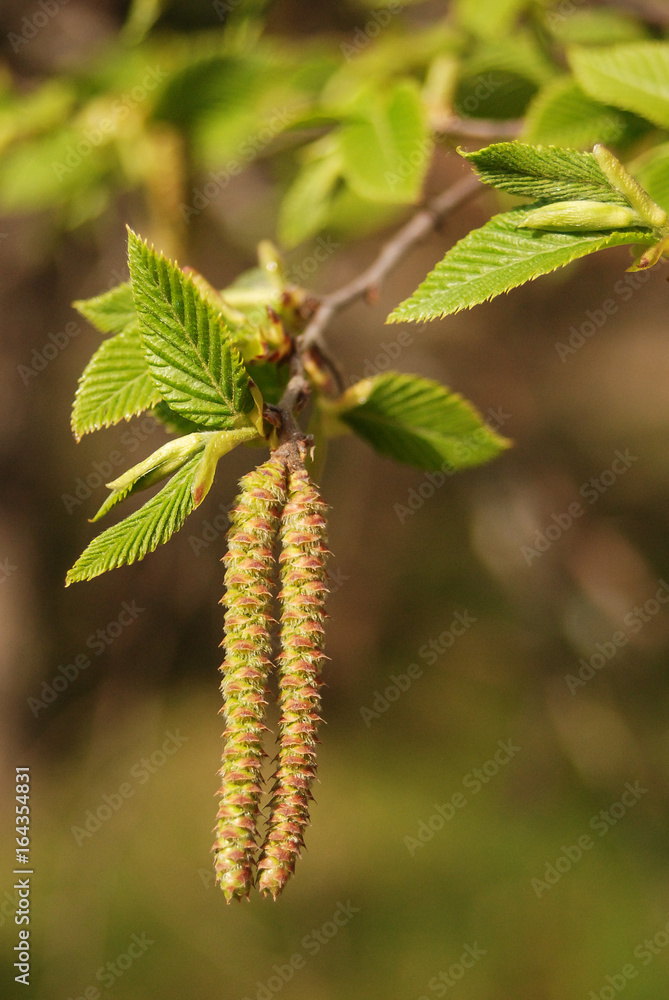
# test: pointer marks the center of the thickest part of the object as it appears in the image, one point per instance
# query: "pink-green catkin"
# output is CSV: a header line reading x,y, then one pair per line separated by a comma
x,y
302,559
250,562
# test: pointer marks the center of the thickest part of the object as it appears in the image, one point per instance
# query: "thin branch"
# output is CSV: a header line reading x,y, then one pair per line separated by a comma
x,y
478,128
367,283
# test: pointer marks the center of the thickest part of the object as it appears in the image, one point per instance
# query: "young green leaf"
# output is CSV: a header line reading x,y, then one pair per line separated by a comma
x,y
115,385
651,256
641,202
418,421
581,216
634,77
546,172
112,312
151,470
218,444
196,368
141,532
386,145
498,257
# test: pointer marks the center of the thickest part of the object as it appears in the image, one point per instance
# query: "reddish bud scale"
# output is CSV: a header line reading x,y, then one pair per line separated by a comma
x,y
250,561
304,548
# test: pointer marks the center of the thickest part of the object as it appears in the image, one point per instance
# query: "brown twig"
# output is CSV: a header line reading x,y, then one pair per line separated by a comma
x,y
368,283
364,285
478,128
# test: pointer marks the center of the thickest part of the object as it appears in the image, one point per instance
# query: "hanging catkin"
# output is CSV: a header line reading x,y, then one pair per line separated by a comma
x,y
302,559
250,563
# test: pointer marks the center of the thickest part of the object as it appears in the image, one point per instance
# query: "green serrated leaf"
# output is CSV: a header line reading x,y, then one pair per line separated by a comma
x,y
112,312
562,114
418,421
386,145
498,257
162,463
546,172
115,385
112,499
218,444
172,421
194,364
141,532
634,77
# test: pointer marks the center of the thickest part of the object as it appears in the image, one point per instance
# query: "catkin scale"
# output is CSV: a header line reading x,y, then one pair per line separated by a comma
x,y
250,562
302,561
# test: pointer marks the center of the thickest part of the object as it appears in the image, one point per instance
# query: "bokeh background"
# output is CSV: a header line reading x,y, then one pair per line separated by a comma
x,y
420,860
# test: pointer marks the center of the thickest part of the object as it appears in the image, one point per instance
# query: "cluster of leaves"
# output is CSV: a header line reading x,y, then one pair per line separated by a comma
x,y
211,366
350,120
585,202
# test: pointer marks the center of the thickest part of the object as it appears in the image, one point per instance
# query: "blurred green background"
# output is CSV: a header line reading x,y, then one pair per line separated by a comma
x,y
413,860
